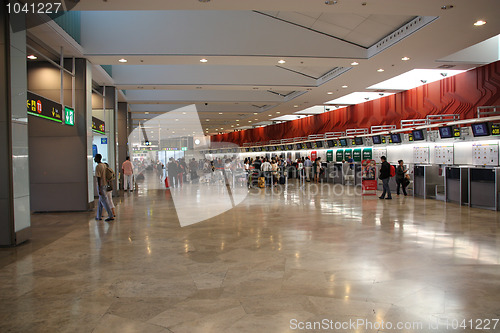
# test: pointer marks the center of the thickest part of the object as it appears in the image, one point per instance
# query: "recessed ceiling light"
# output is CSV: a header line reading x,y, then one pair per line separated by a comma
x,y
329,93
184,113
208,120
405,58
237,124
278,112
122,60
146,112
354,63
176,119
380,70
220,112
203,60
344,86
232,125
281,61
295,106
256,119
255,113
32,57
237,120
270,115
249,121
479,23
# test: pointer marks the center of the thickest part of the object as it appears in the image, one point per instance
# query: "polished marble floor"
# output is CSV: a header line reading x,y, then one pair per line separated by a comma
x,y
274,261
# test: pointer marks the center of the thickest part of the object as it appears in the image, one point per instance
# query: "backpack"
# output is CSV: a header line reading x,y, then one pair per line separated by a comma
x,y
110,174
393,171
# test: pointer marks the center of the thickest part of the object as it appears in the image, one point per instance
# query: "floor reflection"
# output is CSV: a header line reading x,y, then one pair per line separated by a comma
x,y
271,255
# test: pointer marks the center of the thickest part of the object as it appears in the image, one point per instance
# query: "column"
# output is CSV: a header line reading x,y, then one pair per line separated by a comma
x,y
15,222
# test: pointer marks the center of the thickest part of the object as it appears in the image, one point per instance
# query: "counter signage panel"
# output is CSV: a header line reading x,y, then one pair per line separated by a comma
x,y
98,126
299,146
356,155
339,156
329,155
43,108
319,144
343,142
481,129
495,129
376,139
367,154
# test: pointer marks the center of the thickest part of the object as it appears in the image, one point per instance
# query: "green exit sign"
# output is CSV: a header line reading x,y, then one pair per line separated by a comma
x,y
184,148
69,116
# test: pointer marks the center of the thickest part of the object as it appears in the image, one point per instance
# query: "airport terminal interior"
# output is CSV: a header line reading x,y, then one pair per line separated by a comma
x,y
272,166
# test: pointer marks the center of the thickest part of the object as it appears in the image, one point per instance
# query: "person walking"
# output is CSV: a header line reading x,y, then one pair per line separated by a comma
x,y
100,174
401,177
385,176
128,174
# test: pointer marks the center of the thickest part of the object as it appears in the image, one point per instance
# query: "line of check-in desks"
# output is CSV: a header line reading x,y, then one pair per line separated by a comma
x,y
465,185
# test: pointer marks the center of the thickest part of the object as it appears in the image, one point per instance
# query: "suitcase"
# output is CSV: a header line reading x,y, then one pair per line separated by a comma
x,y
282,180
262,182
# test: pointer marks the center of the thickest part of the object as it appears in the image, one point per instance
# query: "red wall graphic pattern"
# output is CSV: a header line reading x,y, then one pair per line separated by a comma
x,y
459,94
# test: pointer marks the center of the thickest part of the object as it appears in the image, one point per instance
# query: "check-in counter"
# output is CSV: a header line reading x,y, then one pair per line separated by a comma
x,y
457,185
428,182
483,188
335,174
324,175
357,174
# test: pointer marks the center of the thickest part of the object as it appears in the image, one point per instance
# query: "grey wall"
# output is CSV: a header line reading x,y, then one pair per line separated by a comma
x,y
58,153
122,130
15,221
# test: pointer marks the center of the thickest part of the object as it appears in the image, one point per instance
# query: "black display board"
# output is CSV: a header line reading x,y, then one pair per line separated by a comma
x,y
98,126
43,108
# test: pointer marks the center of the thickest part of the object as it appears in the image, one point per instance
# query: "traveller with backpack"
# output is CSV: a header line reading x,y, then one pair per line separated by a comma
x,y
110,176
102,185
385,176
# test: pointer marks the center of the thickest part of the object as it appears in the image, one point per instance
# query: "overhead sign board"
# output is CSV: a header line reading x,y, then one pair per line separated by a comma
x,y
98,126
43,108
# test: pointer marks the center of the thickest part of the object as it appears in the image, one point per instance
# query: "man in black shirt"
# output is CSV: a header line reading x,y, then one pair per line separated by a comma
x,y
385,176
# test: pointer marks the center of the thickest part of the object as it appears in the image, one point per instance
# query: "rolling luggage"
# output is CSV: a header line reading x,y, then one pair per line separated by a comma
x,y
282,180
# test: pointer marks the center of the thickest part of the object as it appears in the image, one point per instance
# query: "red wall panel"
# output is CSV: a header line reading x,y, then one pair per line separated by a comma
x,y
459,94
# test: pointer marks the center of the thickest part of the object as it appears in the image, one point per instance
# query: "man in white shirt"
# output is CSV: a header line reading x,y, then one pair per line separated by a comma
x,y
308,166
266,168
128,173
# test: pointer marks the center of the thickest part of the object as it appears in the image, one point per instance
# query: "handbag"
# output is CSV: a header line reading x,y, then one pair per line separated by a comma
x,y
109,188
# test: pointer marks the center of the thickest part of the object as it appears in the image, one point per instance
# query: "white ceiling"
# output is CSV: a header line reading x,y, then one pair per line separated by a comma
x,y
164,40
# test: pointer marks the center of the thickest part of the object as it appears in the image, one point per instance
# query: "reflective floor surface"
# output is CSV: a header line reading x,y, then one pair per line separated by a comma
x,y
291,259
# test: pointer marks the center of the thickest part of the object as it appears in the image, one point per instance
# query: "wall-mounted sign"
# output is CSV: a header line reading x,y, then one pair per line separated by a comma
x,y
98,126
339,155
367,154
43,108
356,155
69,116
329,155
104,141
186,148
